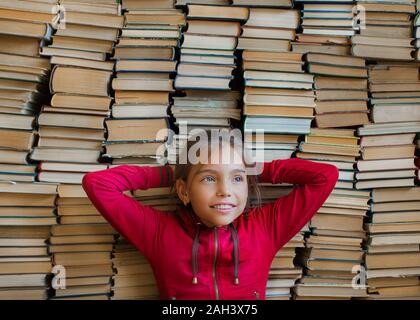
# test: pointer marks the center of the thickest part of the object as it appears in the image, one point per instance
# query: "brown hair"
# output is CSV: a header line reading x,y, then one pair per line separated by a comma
x,y
182,170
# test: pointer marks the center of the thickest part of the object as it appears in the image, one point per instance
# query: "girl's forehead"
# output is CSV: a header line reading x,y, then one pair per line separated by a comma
x,y
216,168
220,167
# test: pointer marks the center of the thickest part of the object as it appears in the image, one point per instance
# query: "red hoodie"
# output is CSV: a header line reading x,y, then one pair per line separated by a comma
x,y
229,262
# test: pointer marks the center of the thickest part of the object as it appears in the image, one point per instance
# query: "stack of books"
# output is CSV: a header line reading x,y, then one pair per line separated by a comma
x,y
387,145
71,130
26,217
145,66
202,110
278,98
17,137
206,109
278,94
333,255
133,276
283,271
195,110
26,207
334,247
338,147
205,72
271,29
387,157
341,89
387,166
73,133
393,254
71,127
385,30
207,58
326,27
81,243
24,28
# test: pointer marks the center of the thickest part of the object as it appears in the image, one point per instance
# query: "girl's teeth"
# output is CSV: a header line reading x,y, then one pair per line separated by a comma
x,y
223,207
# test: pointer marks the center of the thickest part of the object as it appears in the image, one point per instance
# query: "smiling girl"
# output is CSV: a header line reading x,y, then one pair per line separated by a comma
x,y
214,245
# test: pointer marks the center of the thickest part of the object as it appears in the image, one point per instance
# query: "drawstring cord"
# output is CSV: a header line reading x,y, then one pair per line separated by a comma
x,y
194,251
234,236
194,259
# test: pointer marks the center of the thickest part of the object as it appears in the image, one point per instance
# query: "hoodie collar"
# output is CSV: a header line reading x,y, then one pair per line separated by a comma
x,y
193,225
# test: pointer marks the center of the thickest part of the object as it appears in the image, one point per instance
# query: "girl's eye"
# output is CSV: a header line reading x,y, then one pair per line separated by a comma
x,y
238,179
208,179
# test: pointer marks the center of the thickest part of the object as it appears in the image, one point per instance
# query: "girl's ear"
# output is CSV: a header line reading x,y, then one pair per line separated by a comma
x,y
181,190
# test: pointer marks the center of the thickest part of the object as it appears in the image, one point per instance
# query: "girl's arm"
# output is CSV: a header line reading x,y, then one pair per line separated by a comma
x,y
287,215
137,223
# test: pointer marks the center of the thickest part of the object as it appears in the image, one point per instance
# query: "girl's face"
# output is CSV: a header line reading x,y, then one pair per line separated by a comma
x,y
218,192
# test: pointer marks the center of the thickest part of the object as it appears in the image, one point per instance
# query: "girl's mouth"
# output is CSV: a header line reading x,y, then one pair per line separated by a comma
x,y
223,208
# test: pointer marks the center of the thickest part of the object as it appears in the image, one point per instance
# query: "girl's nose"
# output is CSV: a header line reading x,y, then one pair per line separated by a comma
x,y
223,190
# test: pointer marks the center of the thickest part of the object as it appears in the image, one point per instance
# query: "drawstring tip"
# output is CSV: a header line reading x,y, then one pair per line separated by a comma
x,y
194,280
236,280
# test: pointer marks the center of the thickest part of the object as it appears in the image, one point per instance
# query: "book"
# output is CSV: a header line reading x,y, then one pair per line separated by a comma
x,y
89,81
385,32
125,130
218,12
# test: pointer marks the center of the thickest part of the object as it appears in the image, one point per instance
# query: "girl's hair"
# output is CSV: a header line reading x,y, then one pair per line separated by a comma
x,y
184,164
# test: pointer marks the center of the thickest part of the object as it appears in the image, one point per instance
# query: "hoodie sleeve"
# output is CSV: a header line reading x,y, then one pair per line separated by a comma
x,y
136,222
286,216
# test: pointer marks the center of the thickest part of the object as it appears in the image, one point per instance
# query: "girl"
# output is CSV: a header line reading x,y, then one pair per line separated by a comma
x,y
214,246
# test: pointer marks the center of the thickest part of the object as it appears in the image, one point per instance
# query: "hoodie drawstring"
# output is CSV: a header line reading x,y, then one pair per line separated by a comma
x,y
194,250
234,236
